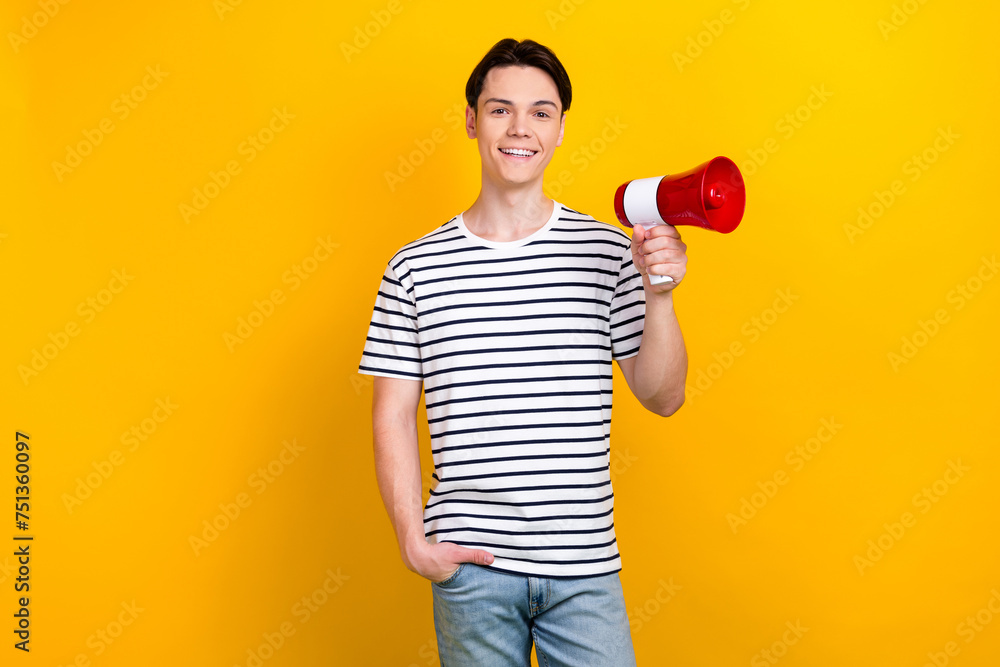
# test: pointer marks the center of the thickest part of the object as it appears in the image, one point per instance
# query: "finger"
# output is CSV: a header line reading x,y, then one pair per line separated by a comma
x,y
663,243
480,557
665,256
676,272
666,269
664,231
477,556
638,236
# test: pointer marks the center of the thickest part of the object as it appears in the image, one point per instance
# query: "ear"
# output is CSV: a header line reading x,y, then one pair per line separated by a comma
x,y
562,129
470,122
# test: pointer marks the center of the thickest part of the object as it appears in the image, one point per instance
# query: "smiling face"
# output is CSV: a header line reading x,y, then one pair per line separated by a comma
x,y
518,126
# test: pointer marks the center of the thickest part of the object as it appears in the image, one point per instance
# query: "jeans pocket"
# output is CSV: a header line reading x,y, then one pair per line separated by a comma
x,y
452,577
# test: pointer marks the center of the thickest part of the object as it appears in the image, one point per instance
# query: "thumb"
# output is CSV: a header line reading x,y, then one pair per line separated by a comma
x,y
638,236
477,556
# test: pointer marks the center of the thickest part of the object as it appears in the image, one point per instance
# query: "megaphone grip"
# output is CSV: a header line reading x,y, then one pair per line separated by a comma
x,y
656,280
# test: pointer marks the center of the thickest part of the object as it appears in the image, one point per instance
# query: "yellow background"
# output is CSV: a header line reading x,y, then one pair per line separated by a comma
x,y
358,114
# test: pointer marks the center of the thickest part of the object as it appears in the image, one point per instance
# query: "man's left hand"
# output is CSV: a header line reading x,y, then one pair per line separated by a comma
x,y
659,250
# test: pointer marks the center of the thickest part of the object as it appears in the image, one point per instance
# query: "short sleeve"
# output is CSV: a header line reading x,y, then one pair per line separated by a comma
x,y
628,310
392,348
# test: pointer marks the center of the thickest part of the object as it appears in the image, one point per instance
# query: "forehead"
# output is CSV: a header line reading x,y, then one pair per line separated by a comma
x,y
519,84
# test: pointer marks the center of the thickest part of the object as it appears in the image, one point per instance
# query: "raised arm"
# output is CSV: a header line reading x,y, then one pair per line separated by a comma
x,y
657,374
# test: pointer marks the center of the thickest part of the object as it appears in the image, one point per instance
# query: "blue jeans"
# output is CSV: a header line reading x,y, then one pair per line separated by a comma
x,y
487,618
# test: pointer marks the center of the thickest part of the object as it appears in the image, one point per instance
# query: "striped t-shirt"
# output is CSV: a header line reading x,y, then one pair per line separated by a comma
x,y
514,342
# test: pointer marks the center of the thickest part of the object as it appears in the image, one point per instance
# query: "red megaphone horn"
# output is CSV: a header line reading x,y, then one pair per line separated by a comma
x,y
711,195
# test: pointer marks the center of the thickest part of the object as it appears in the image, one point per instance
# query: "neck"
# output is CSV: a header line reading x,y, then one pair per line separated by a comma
x,y
508,214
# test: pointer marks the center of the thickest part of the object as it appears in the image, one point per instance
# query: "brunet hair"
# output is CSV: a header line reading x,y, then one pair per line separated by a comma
x,y
527,53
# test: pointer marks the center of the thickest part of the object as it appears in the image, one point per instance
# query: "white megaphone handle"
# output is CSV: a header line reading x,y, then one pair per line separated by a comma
x,y
657,280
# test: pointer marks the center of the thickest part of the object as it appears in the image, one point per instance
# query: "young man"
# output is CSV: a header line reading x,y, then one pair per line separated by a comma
x,y
508,317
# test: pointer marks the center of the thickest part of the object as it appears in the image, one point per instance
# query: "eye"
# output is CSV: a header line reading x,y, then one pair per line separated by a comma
x,y
544,114
498,109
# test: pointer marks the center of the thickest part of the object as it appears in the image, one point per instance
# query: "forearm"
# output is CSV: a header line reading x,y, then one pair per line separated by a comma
x,y
661,365
397,470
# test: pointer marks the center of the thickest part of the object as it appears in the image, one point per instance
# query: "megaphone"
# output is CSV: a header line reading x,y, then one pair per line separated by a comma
x,y
711,195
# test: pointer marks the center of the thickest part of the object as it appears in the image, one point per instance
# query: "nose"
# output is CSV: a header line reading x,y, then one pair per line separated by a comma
x,y
518,125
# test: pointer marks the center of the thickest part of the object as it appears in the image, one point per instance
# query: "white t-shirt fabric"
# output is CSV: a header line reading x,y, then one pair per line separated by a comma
x,y
514,343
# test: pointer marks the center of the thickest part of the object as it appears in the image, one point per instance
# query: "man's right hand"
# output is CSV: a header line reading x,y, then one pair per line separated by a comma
x,y
437,562
397,469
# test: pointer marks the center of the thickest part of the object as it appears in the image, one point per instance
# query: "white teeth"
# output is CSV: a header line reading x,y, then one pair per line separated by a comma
x,y
517,151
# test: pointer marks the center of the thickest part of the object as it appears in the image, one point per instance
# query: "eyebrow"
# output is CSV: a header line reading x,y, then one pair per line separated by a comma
x,y
510,104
